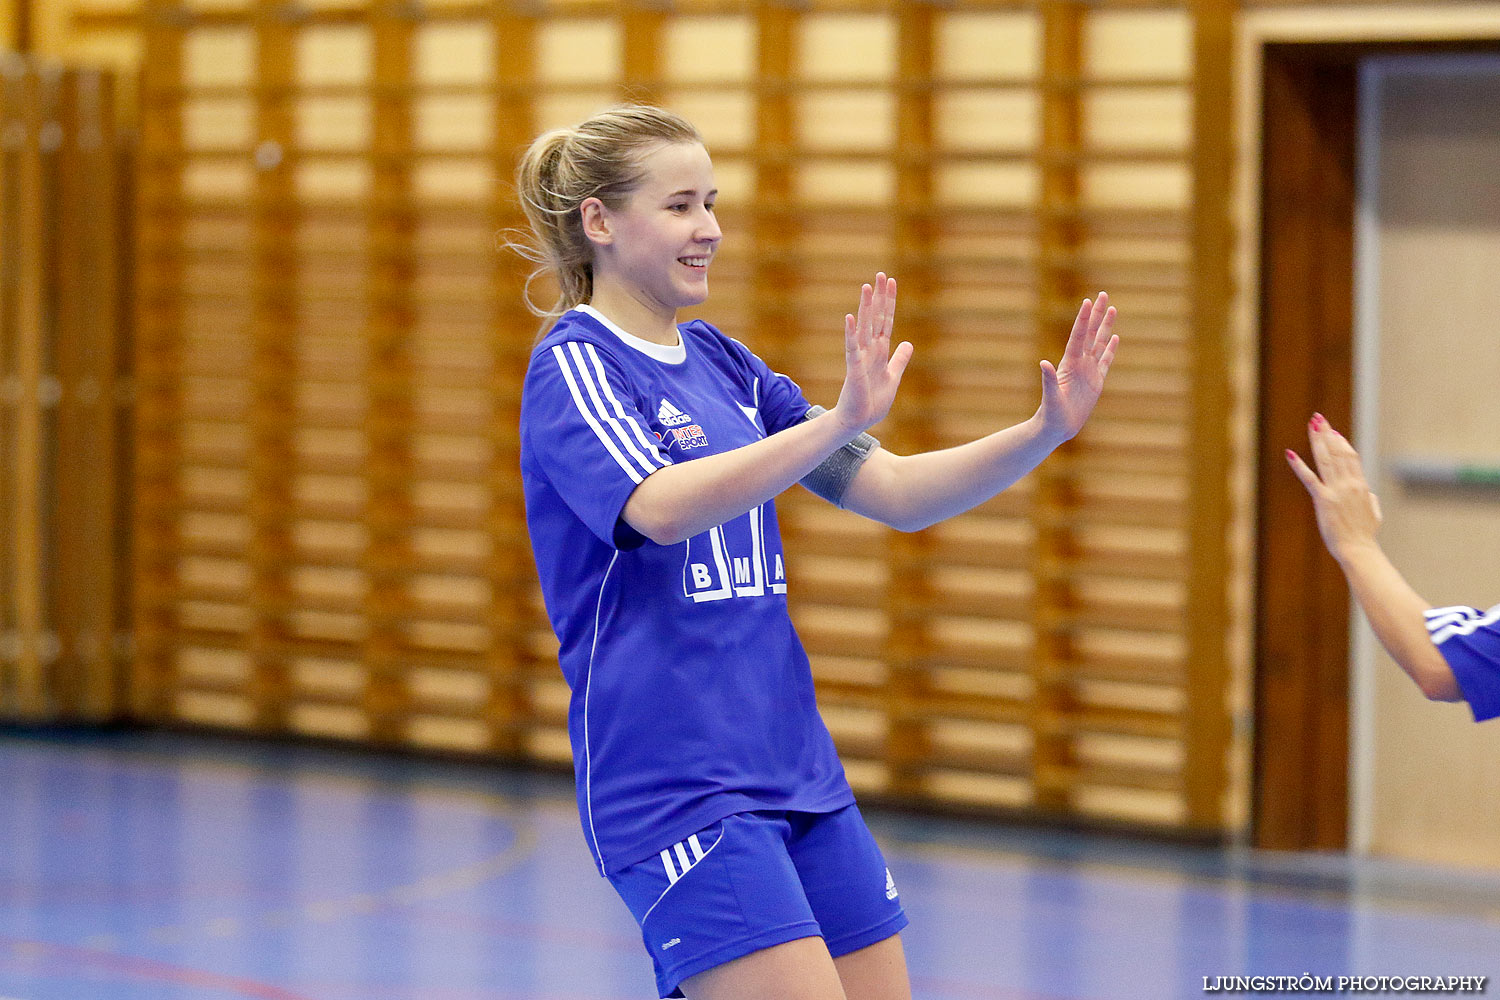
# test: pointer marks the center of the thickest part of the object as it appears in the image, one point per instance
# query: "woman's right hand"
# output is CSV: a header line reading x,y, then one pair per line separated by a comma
x,y
872,372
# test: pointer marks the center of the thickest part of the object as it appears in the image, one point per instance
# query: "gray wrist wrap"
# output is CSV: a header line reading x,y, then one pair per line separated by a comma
x,y
833,477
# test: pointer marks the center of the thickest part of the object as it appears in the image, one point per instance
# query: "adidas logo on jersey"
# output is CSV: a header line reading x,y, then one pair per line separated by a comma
x,y
890,886
671,416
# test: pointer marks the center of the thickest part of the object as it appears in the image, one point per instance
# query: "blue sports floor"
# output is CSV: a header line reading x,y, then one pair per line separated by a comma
x,y
137,866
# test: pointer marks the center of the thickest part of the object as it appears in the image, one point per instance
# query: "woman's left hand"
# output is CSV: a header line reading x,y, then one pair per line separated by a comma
x,y
1070,390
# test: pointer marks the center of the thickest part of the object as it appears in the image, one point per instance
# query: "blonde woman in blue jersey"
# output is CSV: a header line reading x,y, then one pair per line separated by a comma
x,y
652,451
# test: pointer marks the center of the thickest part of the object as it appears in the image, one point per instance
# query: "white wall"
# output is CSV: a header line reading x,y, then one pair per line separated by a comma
x,y
1426,779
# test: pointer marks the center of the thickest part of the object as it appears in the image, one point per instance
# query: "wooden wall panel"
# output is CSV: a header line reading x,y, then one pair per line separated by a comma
x,y
61,331
332,540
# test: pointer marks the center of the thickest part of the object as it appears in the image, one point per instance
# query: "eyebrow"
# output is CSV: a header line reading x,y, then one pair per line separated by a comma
x,y
690,192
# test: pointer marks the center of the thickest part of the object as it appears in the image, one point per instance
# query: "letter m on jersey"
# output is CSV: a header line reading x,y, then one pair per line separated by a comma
x,y
734,559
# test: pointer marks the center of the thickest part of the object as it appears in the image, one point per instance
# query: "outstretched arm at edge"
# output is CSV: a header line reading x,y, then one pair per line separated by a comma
x,y
1348,518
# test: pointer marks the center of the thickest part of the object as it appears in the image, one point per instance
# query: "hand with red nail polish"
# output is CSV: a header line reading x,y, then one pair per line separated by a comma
x,y
1348,513
1348,518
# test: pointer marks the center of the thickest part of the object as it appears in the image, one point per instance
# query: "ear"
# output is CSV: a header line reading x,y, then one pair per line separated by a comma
x,y
596,222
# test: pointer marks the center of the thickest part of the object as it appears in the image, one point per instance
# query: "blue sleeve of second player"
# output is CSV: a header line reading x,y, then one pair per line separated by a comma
x,y
1469,640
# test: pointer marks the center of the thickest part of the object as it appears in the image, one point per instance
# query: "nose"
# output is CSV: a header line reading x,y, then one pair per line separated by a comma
x,y
708,228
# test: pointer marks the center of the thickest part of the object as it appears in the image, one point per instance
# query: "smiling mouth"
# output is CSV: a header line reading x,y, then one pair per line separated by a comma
x,y
695,262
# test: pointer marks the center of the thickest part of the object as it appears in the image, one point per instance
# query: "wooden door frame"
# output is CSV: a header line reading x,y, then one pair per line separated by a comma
x,y
1305,172
1309,116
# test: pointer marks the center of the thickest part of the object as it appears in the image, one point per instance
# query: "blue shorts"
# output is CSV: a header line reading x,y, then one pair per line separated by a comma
x,y
757,879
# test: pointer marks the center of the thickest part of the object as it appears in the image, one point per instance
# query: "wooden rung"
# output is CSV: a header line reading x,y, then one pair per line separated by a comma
x,y
1077,776
970,708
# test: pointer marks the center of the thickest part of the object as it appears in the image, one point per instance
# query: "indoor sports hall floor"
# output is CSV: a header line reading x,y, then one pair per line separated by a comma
x,y
137,866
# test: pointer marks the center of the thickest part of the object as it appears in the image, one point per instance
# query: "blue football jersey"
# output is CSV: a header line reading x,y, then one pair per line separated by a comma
x,y
1469,640
692,697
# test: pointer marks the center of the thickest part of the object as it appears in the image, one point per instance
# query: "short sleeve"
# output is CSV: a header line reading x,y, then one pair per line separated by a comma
x,y
777,397
587,436
782,404
1469,640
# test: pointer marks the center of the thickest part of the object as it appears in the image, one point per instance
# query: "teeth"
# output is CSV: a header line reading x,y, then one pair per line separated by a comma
x,y
694,261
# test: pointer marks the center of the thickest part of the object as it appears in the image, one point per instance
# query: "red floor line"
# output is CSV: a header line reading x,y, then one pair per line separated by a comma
x,y
151,970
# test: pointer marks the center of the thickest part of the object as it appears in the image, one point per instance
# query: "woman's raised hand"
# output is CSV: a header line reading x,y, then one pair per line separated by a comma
x,y
872,372
1348,513
1070,390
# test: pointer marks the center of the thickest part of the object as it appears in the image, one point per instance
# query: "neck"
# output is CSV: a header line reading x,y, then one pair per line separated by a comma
x,y
640,319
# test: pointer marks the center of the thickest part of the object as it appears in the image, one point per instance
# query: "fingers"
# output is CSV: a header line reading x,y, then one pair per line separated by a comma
x,y
1108,357
1097,316
1334,455
1092,334
1308,478
1104,338
876,318
899,360
862,318
1081,330
882,309
889,316
1049,379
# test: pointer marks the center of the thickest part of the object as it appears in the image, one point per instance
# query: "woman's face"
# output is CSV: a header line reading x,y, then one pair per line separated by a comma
x,y
660,242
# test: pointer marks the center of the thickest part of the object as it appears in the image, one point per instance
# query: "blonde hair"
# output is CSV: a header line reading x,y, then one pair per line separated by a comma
x,y
598,158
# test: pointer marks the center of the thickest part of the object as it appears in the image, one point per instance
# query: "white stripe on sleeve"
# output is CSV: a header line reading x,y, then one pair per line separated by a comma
x,y
1467,626
620,423
591,419
590,416
628,421
1439,618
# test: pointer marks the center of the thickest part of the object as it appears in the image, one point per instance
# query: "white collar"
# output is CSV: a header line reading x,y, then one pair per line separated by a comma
x,y
674,355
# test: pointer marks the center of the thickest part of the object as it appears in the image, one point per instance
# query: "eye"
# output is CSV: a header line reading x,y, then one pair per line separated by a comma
x,y
680,207
709,205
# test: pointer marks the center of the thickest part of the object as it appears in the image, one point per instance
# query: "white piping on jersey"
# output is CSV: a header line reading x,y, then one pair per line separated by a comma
x,y
673,877
752,411
1467,625
588,685
591,417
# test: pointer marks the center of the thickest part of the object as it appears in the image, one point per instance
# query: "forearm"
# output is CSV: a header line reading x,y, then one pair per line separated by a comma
x,y
684,499
1397,613
911,492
